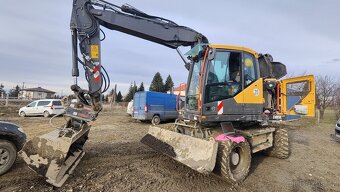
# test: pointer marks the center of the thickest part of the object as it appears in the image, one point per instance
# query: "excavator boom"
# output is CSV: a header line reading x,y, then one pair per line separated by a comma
x,y
56,154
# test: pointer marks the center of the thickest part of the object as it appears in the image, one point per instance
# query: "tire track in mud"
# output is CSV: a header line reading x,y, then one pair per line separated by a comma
x,y
148,170
115,160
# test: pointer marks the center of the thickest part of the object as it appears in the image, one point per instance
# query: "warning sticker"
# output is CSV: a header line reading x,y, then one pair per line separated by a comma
x,y
94,51
220,107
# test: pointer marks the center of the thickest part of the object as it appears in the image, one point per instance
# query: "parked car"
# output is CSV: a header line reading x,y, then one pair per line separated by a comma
x,y
12,139
337,130
154,106
129,109
45,107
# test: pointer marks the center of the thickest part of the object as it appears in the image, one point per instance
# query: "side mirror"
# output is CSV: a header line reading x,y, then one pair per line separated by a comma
x,y
211,54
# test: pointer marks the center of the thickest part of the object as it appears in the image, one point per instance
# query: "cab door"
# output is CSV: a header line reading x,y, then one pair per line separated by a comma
x,y
42,106
251,97
30,109
223,82
296,97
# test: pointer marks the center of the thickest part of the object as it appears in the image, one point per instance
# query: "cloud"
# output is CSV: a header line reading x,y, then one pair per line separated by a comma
x,y
333,60
36,41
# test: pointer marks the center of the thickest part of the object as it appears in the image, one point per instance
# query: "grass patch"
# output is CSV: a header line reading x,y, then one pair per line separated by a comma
x,y
330,116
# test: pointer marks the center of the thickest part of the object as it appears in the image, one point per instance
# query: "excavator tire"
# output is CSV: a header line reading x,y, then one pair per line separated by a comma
x,y
233,161
280,147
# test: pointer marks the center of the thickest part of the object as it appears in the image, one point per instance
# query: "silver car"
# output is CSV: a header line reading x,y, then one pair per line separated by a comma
x,y
337,129
45,107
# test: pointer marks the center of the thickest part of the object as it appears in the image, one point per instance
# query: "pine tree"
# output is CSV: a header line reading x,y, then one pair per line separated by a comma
x,y
141,87
2,91
135,89
169,84
119,97
128,97
157,83
132,90
15,91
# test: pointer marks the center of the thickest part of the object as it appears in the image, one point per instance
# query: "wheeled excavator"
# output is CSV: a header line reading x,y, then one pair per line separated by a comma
x,y
233,97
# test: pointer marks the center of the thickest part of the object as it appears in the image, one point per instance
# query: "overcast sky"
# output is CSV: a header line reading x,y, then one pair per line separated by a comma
x,y
35,40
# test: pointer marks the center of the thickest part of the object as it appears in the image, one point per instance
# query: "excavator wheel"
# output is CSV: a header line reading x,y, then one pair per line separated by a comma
x,y
280,147
233,161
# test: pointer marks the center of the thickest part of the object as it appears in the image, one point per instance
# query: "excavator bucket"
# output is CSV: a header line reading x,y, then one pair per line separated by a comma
x,y
56,154
198,154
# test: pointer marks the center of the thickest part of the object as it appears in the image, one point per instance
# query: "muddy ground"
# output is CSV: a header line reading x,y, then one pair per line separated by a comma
x,y
115,160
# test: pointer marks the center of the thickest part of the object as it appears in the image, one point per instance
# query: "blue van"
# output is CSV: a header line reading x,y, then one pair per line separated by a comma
x,y
154,106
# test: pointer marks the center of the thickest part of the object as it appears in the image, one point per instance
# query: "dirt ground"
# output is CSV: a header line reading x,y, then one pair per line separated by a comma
x,y
115,160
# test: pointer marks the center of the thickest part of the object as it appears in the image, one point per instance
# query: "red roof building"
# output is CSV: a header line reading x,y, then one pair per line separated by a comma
x,y
180,90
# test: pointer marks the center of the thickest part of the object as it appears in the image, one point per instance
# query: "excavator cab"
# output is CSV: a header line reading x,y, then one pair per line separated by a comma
x,y
225,76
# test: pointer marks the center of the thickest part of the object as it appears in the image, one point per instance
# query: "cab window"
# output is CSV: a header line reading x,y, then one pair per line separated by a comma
x,y
224,76
249,70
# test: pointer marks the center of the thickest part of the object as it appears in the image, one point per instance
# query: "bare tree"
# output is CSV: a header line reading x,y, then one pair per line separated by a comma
x,y
326,88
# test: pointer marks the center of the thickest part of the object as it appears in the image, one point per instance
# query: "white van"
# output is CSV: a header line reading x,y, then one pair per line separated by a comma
x,y
45,107
129,109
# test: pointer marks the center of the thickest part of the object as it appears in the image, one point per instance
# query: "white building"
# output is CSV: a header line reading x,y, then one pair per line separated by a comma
x,y
36,93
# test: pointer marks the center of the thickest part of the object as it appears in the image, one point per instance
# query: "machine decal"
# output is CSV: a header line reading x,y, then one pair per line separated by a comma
x,y
220,107
256,92
96,72
94,51
236,139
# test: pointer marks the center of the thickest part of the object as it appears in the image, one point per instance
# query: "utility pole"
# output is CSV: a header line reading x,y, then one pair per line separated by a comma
x,y
115,94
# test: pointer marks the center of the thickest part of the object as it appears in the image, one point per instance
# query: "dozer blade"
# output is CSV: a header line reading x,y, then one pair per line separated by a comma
x,y
56,154
198,154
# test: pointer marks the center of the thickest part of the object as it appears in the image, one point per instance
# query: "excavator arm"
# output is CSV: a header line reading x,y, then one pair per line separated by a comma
x,y
89,15
56,154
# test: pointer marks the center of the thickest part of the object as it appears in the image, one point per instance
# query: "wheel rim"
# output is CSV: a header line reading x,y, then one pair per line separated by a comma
x,y
4,157
237,162
156,120
46,114
22,114
235,158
